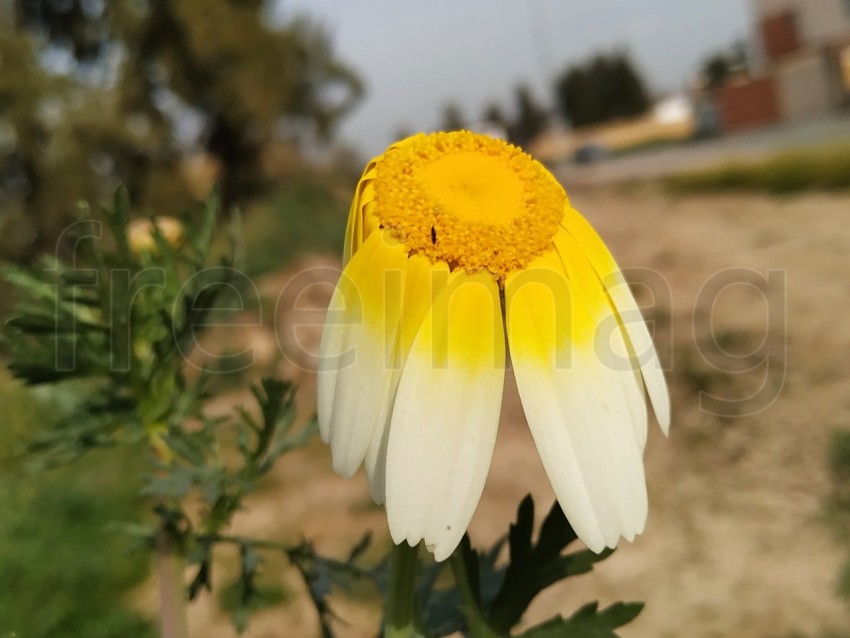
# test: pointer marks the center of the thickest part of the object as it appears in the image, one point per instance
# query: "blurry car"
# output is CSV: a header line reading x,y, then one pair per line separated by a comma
x,y
591,153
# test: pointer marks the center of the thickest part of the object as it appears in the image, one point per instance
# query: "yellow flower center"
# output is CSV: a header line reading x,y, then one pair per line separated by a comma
x,y
472,201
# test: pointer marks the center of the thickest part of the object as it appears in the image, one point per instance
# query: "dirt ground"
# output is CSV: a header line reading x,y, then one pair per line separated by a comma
x,y
748,296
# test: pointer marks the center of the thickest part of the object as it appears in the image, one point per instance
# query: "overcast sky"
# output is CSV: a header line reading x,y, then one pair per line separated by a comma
x,y
416,56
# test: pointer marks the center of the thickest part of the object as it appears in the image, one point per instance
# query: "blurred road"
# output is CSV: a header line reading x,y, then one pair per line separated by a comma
x,y
748,146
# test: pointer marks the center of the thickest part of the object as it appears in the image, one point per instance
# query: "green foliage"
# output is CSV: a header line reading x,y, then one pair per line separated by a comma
x,y
121,325
131,75
489,599
825,168
116,326
232,599
322,575
588,622
60,575
301,217
79,590
534,567
605,88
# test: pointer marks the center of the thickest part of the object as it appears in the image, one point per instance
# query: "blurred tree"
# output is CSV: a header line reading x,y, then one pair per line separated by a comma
x,y
715,71
23,85
401,132
452,118
531,118
605,88
720,66
94,92
493,114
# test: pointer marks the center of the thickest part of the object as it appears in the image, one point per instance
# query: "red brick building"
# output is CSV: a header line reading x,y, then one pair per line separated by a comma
x,y
802,64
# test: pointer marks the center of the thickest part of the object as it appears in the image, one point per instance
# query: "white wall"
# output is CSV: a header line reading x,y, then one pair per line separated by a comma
x,y
804,86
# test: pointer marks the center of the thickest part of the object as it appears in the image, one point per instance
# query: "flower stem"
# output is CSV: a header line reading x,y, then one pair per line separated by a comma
x,y
172,597
399,621
477,626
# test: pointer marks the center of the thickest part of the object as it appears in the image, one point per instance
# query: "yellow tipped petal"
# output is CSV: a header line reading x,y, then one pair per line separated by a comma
x,y
578,408
354,230
446,413
618,289
424,283
609,342
355,368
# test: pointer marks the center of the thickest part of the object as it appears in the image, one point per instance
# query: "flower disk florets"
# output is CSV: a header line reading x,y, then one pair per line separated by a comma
x,y
474,202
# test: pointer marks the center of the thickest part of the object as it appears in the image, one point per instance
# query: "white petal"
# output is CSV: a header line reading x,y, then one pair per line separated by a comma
x,y
355,375
582,412
425,280
641,344
611,345
446,414
639,338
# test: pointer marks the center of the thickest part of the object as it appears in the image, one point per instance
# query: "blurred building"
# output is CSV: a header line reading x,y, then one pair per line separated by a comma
x,y
801,64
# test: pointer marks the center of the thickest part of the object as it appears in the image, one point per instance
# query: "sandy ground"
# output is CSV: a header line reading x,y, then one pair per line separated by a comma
x,y
748,296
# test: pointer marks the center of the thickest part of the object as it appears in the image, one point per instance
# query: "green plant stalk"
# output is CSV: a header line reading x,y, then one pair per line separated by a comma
x,y
477,626
399,619
172,593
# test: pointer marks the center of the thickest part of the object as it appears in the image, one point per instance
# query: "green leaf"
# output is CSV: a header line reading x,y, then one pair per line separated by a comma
x,y
442,614
134,530
201,235
534,567
166,253
360,547
92,422
489,600
200,554
282,445
588,622
175,484
85,278
118,219
321,575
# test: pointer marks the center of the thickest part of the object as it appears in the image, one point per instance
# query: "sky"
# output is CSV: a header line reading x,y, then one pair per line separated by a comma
x,y
416,57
